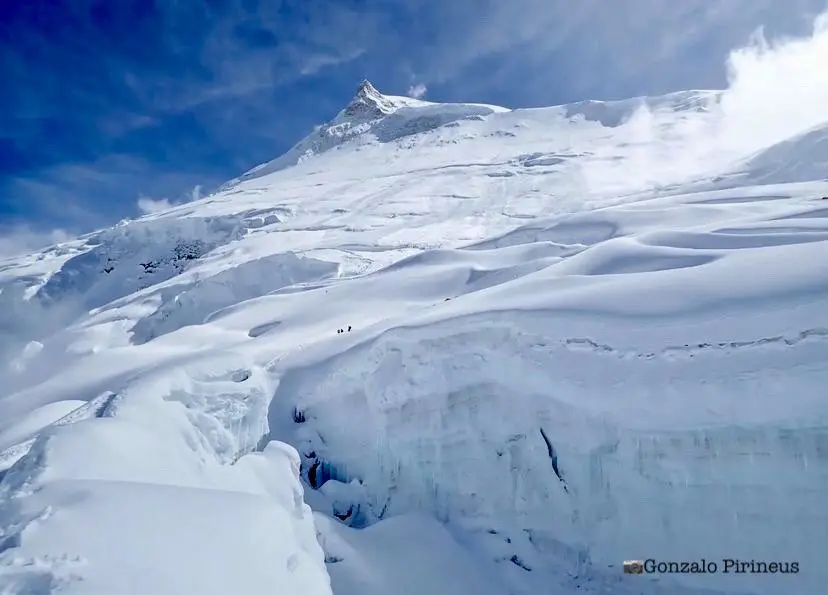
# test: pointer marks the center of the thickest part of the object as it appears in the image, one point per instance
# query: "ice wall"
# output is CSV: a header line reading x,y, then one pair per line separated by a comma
x,y
587,451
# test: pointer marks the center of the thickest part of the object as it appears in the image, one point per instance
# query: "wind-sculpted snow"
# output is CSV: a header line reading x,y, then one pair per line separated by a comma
x,y
192,303
567,233
622,380
153,475
799,159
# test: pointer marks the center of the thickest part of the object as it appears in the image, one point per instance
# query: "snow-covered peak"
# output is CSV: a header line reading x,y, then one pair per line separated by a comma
x,y
370,104
371,117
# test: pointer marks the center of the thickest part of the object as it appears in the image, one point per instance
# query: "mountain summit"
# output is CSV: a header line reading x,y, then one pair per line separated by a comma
x,y
371,117
369,103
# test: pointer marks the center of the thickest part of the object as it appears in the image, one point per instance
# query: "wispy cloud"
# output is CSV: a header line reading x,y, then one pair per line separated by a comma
x,y
21,239
538,51
755,111
84,196
243,47
187,92
149,205
314,63
417,91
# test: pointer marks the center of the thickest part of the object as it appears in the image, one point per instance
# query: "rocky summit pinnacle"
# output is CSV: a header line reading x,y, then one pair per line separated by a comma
x,y
366,89
369,103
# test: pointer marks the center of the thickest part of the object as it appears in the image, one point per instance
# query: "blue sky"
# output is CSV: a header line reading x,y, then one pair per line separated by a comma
x,y
111,104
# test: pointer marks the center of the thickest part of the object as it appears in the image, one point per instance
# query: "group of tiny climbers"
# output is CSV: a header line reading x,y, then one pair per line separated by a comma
x,y
339,331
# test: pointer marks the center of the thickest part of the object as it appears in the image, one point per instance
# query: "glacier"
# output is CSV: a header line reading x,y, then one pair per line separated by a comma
x,y
572,336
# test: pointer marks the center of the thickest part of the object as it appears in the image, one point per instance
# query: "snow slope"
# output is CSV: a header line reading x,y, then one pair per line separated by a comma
x,y
798,159
565,346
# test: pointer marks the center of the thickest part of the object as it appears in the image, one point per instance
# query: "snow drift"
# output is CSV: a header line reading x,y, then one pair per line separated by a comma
x,y
143,473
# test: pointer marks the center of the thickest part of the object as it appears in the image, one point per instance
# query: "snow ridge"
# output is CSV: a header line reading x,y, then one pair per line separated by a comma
x,y
367,118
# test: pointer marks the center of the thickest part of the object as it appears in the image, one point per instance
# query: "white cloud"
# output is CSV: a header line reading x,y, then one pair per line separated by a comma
x,y
417,91
23,239
150,205
313,63
776,90
304,44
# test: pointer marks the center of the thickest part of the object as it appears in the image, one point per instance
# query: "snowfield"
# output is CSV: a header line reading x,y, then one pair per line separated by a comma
x,y
572,336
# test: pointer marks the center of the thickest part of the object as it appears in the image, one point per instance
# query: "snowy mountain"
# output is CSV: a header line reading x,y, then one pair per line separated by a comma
x,y
370,114
570,336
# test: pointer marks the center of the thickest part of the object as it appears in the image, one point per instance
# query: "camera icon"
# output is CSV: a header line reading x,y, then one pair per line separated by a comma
x,y
633,566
